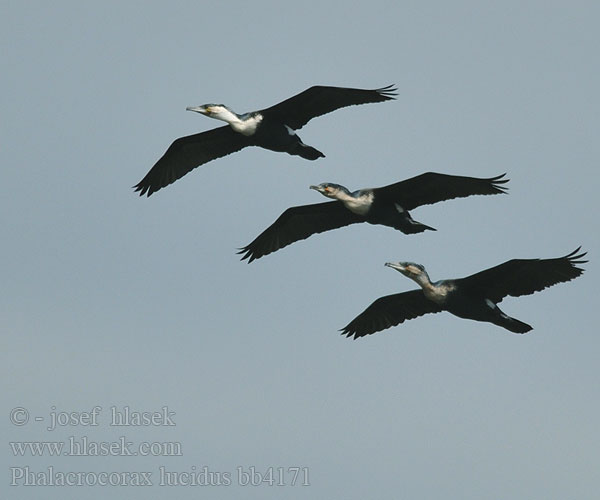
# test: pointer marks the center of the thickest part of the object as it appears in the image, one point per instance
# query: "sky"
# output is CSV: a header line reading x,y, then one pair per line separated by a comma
x,y
113,303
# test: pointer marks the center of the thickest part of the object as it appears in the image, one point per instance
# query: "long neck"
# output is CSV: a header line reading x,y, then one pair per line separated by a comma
x,y
244,124
423,281
227,115
438,291
358,202
344,195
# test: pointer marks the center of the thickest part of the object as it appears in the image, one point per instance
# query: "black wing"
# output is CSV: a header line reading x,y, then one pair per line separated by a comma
x,y
432,187
189,152
523,276
389,311
319,100
298,223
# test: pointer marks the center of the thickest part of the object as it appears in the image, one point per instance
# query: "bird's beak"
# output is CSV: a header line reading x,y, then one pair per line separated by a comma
x,y
396,265
198,109
320,189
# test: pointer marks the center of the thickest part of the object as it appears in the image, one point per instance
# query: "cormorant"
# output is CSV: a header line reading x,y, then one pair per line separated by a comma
x,y
271,128
388,206
474,297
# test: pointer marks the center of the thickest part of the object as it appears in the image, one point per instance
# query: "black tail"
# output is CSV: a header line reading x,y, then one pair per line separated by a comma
x,y
414,228
306,152
512,324
405,223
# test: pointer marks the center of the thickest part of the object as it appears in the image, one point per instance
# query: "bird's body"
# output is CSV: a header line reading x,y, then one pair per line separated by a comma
x,y
280,138
271,128
358,202
475,297
375,206
387,206
478,308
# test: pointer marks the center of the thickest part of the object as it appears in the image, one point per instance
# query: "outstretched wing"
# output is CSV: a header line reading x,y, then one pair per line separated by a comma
x,y
319,100
523,276
189,152
432,187
298,223
389,311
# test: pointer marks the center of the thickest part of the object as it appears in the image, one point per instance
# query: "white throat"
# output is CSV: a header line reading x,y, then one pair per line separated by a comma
x,y
245,124
358,203
436,292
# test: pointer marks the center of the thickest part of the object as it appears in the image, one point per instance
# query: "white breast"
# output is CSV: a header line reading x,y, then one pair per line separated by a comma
x,y
438,293
361,204
247,126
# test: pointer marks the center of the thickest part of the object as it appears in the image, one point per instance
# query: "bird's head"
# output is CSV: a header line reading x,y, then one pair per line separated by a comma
x,y
218,111
329,189
409,269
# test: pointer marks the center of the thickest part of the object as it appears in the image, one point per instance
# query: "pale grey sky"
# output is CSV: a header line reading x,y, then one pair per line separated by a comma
x,y
109,299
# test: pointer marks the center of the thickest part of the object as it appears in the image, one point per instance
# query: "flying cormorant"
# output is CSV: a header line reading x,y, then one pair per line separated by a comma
x,y
387,206
474,297
271,128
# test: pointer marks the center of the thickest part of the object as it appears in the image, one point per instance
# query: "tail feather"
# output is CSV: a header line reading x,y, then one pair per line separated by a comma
x,y
405,223
307,152
415,227
513,325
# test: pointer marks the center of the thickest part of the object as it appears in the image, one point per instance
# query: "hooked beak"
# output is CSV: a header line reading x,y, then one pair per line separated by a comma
x,y
324,189
398,266
198,109
320,189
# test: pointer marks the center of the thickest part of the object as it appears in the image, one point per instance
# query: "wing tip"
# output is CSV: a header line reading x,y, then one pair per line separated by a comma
x,y
249,254
144,188
497,184
499,179
389,92
349,332
576,257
